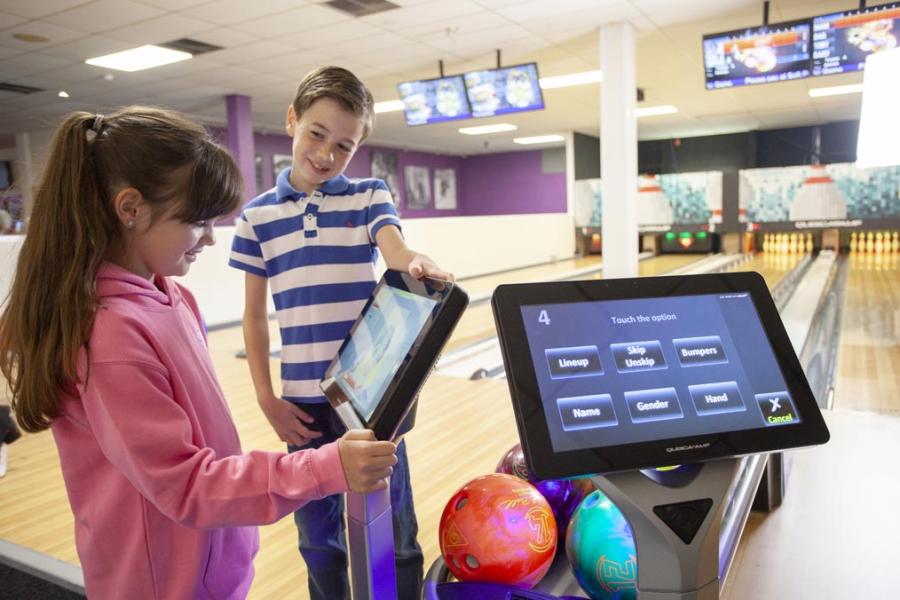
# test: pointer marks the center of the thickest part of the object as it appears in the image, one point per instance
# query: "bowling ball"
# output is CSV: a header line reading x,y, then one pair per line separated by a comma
x,y
601,551
498,528
562,494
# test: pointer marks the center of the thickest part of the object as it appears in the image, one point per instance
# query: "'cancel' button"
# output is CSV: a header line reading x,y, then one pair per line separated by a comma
x,y
587,412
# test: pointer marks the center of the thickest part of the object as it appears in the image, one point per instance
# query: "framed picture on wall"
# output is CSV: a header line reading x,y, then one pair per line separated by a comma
x,y
258,162
445,189
384,167
418,187
280,162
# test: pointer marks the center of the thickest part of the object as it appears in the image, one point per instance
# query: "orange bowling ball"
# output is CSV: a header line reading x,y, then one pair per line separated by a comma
x,y
498,528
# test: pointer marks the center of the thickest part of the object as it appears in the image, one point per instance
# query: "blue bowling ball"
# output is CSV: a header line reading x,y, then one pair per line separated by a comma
x,y
601,551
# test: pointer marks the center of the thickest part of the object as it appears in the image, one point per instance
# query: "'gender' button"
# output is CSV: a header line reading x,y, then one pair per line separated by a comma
x,y
638,356
700,350
587,412
714,398
777,409
653,405
580,361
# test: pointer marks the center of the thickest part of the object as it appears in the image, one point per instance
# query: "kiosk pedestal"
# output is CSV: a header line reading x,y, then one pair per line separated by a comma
x,y
675,518
370,543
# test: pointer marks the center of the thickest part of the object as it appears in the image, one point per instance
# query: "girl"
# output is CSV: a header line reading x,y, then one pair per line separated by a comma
x,y
102,347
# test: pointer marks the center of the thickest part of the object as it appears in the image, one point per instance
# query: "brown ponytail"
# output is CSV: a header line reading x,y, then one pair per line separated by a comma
x,y
73,229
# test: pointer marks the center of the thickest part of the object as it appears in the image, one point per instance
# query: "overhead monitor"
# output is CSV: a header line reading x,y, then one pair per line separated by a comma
x,y
506,90
625,374
766,54
390,350
434,100
843,40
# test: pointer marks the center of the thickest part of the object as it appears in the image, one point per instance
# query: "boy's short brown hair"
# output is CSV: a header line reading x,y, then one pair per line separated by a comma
x,y
340,85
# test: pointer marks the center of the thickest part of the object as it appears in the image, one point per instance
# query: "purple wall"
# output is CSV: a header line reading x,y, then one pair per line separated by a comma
x,y
487,184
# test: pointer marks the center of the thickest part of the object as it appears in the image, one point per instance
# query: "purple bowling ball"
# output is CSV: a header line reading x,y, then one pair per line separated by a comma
x,y
563,495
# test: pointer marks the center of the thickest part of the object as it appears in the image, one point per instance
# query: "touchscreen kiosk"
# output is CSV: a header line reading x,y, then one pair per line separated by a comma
x,y
626,374
391,348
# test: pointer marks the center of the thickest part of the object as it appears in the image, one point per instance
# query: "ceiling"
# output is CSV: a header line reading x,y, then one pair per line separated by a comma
x,y
268,45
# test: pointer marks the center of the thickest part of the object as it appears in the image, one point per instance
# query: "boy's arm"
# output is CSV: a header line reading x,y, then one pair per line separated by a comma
x,y
286,418
398,256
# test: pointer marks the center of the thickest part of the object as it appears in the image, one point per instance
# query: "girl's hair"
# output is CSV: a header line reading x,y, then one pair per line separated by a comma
x,y
73,228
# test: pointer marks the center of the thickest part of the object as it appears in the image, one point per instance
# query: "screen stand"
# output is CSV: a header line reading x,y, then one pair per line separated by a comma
x,y
370,540
675,518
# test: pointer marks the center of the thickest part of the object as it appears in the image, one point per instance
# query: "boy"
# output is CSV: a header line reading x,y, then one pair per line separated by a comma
x,y
313,240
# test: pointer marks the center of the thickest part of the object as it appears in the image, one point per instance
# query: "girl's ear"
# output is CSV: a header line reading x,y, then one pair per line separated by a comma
x,y
129,205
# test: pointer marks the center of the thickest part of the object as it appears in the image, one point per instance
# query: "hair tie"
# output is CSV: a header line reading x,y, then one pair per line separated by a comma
x,y
98,124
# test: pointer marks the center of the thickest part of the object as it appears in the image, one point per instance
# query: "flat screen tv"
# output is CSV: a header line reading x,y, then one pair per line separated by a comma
x,y
434,100
843,40
778,52
506,90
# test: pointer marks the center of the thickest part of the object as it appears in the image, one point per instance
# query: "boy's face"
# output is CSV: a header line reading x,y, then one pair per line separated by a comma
x,y
326,137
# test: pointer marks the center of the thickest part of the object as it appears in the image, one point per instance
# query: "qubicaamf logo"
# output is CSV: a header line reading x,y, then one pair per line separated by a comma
x,y
687,447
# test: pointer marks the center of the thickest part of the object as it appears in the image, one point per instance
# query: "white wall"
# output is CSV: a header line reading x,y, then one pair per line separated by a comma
x,y
466,246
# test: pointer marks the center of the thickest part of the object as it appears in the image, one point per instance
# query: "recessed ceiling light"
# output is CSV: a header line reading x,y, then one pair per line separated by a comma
x,y
652,111
388,106
63,94
138,59
108,77
836,90
571,79
31,38
538,139
483,129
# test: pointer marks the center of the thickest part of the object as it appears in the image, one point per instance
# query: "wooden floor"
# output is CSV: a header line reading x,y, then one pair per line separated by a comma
x,y
463,428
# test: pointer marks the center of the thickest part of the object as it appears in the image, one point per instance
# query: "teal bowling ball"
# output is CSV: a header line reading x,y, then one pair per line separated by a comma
x,y
601,551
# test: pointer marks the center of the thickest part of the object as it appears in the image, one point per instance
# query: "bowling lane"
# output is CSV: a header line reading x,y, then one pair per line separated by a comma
x,y
477,323
773,267
485,284
868,370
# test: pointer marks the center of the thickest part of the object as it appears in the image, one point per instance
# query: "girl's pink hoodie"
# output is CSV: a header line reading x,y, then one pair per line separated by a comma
x,y
165,503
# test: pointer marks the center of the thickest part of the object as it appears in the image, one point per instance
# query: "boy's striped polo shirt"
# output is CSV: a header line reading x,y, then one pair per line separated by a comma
x,y
318,253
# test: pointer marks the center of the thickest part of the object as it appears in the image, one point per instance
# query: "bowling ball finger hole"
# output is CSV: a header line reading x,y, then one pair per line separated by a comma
x,y
472,562
461,502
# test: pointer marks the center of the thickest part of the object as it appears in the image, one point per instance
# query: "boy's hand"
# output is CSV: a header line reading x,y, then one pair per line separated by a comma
x,y
422,266
287,419
367,463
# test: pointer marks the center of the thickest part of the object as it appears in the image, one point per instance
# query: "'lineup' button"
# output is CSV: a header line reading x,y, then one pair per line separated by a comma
x,y
695,351
777,409
638,356
653,405
587,412
580,361
714,398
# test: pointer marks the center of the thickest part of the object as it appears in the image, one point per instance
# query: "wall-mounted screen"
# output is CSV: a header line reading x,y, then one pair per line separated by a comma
x,y
778,52
506,90
434,100
842,41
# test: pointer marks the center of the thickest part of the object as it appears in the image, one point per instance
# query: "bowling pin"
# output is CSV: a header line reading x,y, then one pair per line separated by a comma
x,y
853,243
895,243
870,242
879,243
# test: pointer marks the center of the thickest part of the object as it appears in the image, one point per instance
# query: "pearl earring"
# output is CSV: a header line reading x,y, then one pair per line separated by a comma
x,y
129,224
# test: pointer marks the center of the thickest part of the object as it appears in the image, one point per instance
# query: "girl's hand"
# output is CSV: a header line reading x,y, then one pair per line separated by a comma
x,y
367,463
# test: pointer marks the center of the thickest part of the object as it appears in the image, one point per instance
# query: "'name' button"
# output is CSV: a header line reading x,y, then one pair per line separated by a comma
x,y
715,398
777,409
587,412
579,361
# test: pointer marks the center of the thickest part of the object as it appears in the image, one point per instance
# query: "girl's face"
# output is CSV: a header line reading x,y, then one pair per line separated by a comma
x,y
165,246
325,138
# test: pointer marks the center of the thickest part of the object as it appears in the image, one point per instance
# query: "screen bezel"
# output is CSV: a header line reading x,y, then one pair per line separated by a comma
x,y
400,394
534,434
461,117
758,29
537,75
